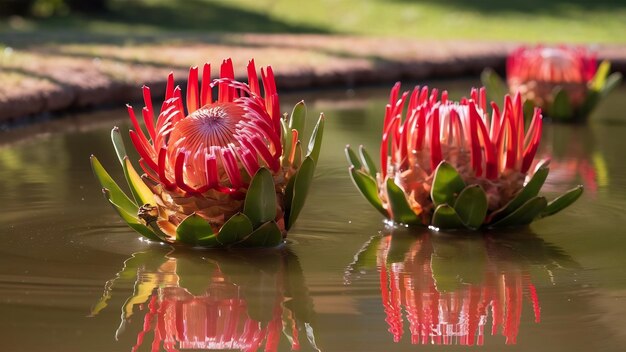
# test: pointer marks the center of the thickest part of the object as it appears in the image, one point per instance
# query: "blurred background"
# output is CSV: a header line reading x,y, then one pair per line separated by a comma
x,y
521,20
62,54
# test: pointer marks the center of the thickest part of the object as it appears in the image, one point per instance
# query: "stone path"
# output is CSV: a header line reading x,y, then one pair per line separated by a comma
x,y
56,74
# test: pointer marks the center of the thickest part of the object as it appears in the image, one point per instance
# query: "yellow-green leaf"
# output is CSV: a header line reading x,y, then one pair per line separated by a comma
x,y
315,143
529,191
400,208
132,221
141,192
301,186
447,184
192,228
117,196
260,203
267,235
237,227
118,144
368,162
352,158
445,217
298,118
525,214
368,188
563,201
471,206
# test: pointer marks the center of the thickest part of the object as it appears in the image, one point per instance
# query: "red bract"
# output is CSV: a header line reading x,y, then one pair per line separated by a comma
x,y
492,150
201,147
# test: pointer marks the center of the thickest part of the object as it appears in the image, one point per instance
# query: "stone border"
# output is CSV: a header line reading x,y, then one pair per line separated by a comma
x,y
62,77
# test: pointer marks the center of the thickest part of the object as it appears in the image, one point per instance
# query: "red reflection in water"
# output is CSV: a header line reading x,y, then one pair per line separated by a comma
x,y
216,320
457,316
200,306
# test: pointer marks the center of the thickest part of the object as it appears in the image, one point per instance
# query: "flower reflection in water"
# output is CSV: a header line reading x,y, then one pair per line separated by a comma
x,y
246,302
448,289
575,158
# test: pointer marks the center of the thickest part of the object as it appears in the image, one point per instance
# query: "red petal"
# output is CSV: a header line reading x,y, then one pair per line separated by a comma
x,y
253,79
192,90
205,90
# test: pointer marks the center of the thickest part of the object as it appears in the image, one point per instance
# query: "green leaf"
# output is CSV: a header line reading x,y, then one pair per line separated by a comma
x,y
445,217
599,79
315,143
267,235
368,188
208,241
368,162
118,144
447,184
286,140
591,101
529,191
612,82
352,158
288,198
260,203
561,108
400,208
132,221
298,118
471,206
141,192
300,189
496,88
237,227
193,228
117,196
525,214
563,201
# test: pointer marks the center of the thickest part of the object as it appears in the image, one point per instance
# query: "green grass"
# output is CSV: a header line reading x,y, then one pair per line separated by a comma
x,y
519,20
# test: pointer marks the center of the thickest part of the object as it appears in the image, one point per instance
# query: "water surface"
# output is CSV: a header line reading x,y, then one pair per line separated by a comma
x,y
73,277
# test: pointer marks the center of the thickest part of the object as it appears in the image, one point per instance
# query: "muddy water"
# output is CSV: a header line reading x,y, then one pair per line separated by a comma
x,y
74,278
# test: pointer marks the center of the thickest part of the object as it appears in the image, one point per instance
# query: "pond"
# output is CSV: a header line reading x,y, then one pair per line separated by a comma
x,y
74,277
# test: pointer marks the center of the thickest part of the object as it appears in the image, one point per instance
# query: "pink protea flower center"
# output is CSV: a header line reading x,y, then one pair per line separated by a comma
x,y
211,125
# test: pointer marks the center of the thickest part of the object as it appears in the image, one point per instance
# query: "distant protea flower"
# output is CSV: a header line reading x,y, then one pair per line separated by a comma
x,y
451,165
566,82
219,172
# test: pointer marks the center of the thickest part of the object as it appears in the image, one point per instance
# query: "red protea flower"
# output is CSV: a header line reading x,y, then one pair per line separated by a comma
x,y
454,165
566,82
209,161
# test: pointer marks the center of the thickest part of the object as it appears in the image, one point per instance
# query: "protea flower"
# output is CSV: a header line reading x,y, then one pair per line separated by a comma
x,y
184,310
456,291
452,165
222,172
566,82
